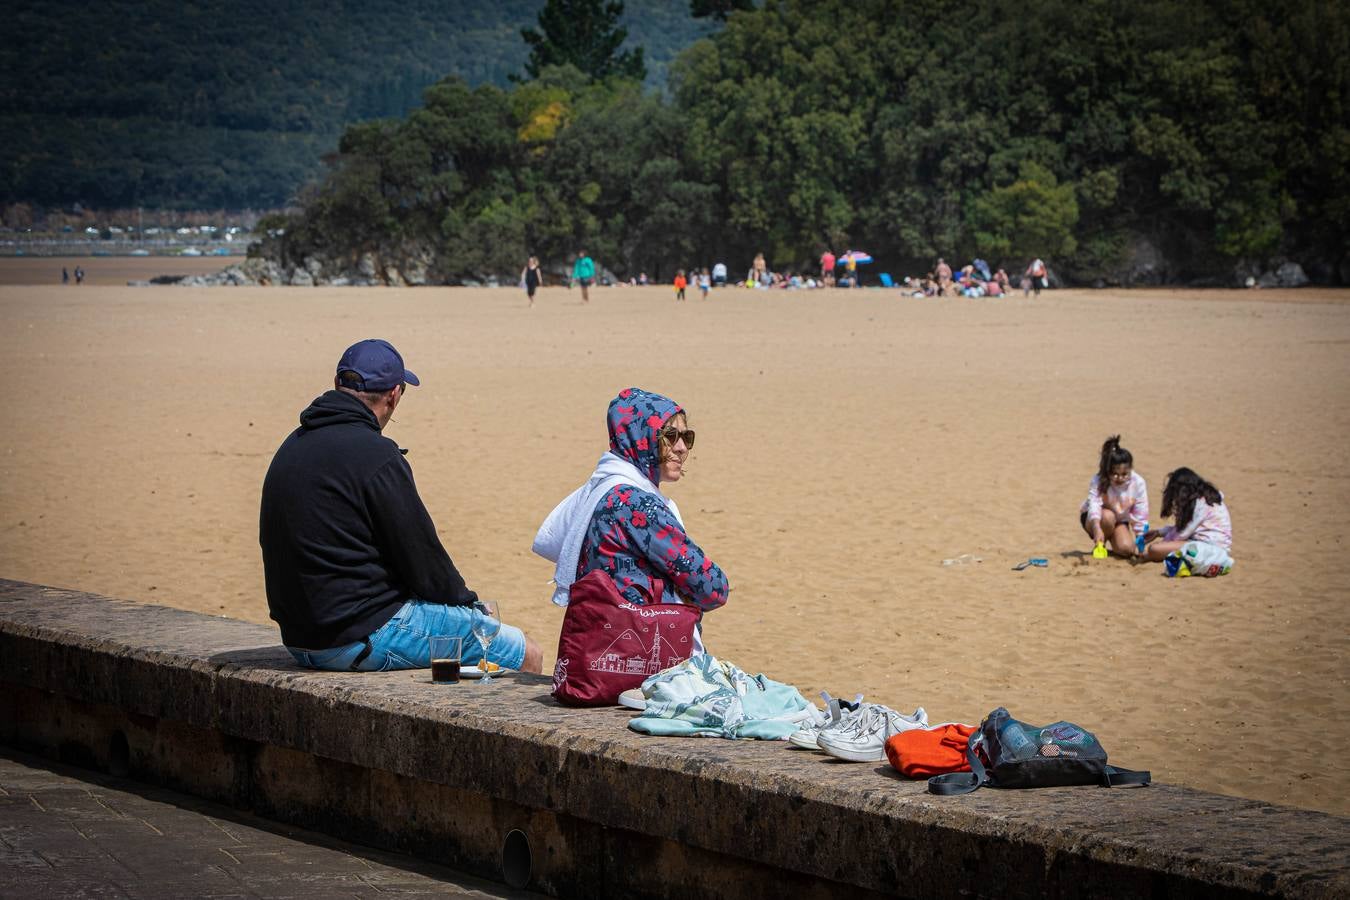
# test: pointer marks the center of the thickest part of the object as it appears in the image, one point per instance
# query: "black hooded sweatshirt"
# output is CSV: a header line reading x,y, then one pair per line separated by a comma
x,y
345,537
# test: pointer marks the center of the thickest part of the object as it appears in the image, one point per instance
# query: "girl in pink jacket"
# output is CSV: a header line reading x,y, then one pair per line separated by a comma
x,y
1200,515
1115,513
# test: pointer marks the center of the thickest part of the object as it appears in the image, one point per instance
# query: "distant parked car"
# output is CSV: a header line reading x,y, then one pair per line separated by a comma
x,y
221,251
191,251
140,251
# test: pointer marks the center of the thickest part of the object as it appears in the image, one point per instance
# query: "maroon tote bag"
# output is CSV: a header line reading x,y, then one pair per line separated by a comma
x,y
609,645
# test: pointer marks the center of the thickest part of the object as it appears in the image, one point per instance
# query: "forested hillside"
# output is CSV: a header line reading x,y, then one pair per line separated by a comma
x,y
1160,140
166,103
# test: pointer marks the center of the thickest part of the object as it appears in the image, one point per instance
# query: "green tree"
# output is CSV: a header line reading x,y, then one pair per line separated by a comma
x,y
718,9
1033,216
1198,127
585,34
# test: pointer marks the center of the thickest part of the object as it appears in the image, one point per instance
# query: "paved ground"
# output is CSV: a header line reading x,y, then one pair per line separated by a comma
x,y
67,833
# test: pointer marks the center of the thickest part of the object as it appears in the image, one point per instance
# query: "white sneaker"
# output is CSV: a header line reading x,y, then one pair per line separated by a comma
x,y
863,739
633,698
837,712
805,737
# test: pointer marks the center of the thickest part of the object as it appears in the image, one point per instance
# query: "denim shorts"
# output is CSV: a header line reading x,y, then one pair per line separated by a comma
x,y
401,643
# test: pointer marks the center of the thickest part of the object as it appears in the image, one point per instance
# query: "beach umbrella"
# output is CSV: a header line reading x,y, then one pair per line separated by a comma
x,y
858,256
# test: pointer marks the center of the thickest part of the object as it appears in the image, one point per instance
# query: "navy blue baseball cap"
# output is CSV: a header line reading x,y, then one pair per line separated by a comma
x,y
377,364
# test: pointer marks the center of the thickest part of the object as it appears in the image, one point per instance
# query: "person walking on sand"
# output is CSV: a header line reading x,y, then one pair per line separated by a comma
x,y
680,283
583,273
355,573
79,275
531,277
1036,272
65,275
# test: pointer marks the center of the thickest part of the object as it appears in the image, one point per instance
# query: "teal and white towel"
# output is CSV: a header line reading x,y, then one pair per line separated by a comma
x,y
704,697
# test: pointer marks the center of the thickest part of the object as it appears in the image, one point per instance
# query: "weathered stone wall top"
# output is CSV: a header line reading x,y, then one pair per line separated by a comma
x,y
857,823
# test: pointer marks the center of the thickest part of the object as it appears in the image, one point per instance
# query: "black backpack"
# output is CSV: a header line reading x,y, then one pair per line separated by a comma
x,y
1006,753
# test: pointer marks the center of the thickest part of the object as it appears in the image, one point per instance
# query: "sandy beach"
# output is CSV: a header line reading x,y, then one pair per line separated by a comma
x,y
105,271
849,442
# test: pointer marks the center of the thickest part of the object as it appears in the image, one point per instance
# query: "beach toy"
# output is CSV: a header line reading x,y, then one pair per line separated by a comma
x,y
1039,562
1175,567
1099,551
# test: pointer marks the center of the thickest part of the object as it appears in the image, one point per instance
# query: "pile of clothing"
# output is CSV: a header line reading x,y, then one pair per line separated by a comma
x,y
707,697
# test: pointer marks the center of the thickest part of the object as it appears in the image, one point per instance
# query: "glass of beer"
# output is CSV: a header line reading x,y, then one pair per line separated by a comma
x,y
445,656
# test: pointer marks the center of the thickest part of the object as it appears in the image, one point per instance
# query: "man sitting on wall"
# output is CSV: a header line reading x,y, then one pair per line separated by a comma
x,y
356,575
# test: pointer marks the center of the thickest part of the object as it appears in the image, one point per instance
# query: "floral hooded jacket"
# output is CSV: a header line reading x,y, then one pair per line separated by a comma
x,y
633,536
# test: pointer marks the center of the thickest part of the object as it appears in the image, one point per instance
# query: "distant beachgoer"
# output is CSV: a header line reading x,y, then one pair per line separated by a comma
x,y
532,277
1116,508
759,272
1002,278
719,274
680,283
583,273
944,276
1199,504
79,275
642,278
704,283
827,260
65,275
1037,273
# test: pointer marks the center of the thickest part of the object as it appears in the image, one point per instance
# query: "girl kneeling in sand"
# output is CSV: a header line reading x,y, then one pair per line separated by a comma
x,y
1200,512
619,521
1116,507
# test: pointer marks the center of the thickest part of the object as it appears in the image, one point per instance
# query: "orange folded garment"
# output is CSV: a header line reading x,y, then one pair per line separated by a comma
x,y
924,752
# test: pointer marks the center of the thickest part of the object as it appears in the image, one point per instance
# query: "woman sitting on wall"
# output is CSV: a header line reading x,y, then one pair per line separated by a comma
x,y
619,521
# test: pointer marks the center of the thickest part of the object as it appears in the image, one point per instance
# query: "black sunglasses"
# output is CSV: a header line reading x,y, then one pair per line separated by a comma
x,y
670,434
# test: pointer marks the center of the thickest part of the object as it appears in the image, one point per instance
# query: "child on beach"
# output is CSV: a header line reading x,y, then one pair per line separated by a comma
x,y
704,283
1200,515
531,277
680,283
1116,508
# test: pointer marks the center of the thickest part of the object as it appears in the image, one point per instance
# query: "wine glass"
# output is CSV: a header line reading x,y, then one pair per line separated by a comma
x,y
485,628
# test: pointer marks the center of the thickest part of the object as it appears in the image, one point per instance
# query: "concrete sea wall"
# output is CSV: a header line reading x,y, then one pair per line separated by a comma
x,y
500,781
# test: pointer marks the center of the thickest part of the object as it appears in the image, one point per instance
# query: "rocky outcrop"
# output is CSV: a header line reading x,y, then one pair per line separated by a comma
x,y
1285,274
1145,264
1291,274
1140,264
